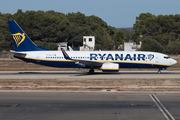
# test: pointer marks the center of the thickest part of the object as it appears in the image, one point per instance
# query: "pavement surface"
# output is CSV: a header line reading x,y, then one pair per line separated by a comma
x,y
24,105
85,75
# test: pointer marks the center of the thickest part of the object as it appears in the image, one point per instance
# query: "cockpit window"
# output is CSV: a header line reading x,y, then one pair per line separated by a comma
x,y
166,57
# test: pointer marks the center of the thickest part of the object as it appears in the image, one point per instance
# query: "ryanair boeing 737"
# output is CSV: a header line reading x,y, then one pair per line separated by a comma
x,y
26,50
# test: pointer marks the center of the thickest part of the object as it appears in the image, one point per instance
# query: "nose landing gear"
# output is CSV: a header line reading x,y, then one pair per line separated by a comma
x,y
159,71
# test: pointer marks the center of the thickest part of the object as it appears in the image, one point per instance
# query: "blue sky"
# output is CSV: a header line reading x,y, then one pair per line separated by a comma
x,y
116,13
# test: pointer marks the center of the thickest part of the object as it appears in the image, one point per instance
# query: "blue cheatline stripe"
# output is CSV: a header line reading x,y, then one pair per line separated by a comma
x,y
71,63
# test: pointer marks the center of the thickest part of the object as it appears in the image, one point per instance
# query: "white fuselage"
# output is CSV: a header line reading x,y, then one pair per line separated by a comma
x,y
137,59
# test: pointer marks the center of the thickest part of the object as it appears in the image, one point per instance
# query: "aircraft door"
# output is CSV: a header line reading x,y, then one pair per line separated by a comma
x,y
157,59
38,58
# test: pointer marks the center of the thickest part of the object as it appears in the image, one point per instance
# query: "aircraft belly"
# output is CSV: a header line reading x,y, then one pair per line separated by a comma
x,y
139,65
58,64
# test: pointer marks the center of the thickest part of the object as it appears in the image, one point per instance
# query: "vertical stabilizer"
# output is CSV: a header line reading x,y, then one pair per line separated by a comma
x,y
20,40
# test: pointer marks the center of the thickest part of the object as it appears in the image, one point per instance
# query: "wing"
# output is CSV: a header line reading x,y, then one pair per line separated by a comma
x,y
89,63
83,62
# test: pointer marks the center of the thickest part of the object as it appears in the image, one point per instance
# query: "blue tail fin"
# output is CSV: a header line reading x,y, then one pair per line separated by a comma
x,y
20,40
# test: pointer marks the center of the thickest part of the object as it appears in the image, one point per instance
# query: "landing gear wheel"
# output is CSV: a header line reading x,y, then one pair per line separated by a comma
x,y
91,71
159,72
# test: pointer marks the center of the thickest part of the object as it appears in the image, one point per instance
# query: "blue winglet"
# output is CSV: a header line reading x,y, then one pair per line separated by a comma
x,y
65,54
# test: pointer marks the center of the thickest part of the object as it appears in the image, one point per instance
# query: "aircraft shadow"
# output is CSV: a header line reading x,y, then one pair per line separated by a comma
x,y
83,73
128,73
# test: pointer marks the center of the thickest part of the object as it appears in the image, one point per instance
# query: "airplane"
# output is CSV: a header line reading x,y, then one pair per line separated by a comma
x,y
107,61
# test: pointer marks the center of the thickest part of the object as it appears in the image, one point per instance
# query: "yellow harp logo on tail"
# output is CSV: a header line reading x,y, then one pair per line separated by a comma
x,y
18,38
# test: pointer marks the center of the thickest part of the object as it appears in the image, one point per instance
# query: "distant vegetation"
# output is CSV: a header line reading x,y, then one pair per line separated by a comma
x,y
158,33
53,27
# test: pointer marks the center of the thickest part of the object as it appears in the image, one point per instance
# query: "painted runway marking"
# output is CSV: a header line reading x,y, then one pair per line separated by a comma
x,y
161,107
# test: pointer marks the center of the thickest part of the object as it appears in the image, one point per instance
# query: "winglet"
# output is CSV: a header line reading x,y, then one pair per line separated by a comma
x,y
70,49
65,54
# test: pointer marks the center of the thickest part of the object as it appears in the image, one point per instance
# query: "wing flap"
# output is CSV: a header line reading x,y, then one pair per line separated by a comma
x,y
89,63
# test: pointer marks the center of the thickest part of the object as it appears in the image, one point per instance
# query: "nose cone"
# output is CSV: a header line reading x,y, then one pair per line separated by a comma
x,y
173,62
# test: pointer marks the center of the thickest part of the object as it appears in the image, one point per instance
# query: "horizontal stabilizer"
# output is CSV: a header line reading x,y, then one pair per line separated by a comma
x,y
19,54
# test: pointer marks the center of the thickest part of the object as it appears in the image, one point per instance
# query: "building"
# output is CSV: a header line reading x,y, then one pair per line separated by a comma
x,y
62,45
88,43
131,46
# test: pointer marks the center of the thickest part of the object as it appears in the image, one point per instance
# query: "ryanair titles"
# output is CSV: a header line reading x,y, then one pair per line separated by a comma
x,y
138,57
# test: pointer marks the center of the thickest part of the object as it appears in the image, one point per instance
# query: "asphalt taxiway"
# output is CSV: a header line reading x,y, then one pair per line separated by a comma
x,y
88,105
85,75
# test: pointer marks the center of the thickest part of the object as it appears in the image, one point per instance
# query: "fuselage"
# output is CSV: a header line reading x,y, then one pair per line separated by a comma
x,y
125,59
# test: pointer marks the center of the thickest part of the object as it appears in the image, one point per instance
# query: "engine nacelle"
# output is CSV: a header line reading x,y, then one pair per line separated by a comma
x,y
110,67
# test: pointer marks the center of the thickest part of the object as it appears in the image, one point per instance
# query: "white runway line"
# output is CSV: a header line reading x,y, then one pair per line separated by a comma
x,y
161,107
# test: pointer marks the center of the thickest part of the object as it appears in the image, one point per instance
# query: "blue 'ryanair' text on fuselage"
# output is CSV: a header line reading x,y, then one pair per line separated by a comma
x,y
117,57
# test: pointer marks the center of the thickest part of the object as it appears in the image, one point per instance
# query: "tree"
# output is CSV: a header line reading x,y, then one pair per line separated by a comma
x,y
162,28
119,38
149,44
98,47
173,48
50,46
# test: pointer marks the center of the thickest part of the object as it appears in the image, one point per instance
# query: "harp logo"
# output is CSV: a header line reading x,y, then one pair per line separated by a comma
x,y
150,56
18,38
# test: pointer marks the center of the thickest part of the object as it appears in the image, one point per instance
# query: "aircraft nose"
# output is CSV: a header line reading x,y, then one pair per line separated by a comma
x,y
173,62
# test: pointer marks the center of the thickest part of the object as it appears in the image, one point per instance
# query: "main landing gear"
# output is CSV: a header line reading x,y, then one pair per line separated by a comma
x,y
91,71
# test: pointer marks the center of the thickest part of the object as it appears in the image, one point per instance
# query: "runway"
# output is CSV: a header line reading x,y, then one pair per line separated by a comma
x,y
87,105
85,75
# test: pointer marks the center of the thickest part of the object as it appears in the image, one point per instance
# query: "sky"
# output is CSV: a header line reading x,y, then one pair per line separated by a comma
x,y
116,13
